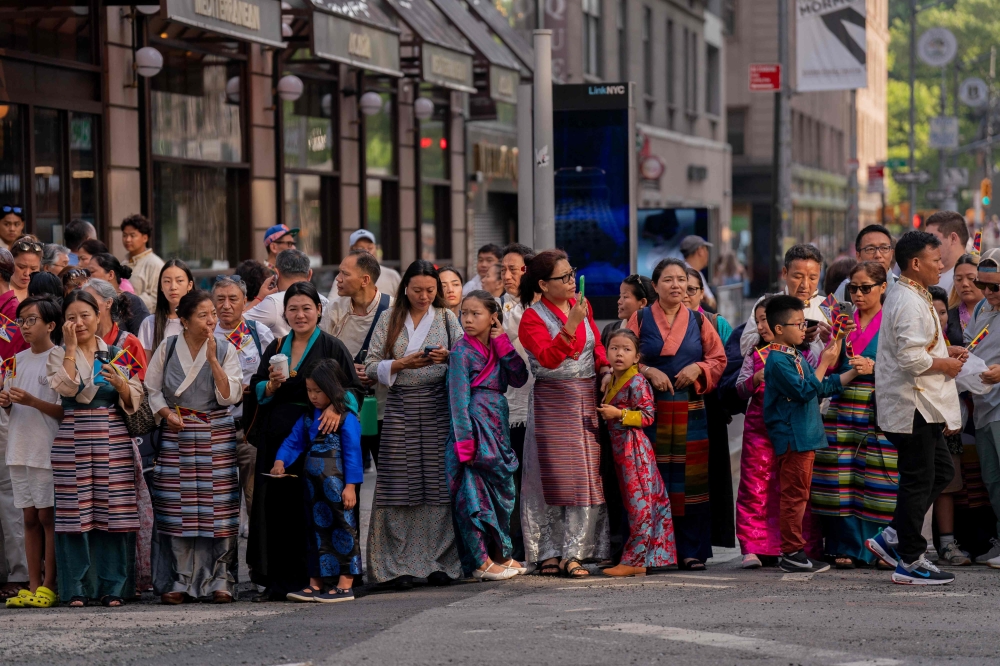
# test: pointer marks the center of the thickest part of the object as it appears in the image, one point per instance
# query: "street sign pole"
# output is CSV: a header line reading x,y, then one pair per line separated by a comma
x,y
913,105
781,227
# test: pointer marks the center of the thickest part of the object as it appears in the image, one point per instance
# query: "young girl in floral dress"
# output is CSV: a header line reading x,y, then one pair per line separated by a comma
x,y
628,408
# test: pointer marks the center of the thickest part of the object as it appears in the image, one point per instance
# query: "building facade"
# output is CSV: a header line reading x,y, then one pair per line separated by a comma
x,y
373,133
822,126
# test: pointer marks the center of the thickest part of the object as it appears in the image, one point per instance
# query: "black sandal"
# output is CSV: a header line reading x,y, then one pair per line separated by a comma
x,y
84,601
693,564
574,572
551,569
108,599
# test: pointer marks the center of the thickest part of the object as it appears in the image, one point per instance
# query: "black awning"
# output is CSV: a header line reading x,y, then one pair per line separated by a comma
x,y
445,57
358,10
508,35
357,34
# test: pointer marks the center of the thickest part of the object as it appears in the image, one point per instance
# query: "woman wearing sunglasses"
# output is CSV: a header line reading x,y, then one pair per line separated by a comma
x,y
855,478
27,253
564,516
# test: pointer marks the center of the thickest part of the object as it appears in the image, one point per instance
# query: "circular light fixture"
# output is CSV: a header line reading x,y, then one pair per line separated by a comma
x,y
326,104
371,103
290,87
233,89
148,10
148,61
423,108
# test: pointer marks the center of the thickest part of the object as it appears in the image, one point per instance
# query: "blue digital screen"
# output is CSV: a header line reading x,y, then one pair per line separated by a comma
x,y
591,153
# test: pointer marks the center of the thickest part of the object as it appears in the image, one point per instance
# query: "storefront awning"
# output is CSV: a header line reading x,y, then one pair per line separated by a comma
x,y
445,58
357,34
251,20
510,37
504,67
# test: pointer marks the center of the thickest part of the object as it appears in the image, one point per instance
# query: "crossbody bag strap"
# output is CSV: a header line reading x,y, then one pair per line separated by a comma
x,y
383,305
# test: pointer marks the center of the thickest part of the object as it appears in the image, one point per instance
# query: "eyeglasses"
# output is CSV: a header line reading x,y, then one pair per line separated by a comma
x,y
28,246
693,290
872,250
986,286
863,288
802,325
565,279
17,210
30,321
284,243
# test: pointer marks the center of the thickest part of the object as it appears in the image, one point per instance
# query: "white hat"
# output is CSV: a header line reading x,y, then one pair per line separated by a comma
x,y
362,233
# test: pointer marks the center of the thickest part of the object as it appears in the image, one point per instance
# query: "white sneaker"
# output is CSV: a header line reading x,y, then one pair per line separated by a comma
x,y
994,563
504,574
993,553
955,556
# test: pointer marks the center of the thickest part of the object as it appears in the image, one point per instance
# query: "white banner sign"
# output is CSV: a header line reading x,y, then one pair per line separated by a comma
x,y
831,48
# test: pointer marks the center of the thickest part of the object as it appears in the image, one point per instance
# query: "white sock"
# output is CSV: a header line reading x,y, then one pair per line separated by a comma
x,y
947,539
890,536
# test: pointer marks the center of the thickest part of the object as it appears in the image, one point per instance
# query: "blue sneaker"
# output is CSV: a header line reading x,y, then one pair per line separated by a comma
x,y
334,595
881,549
921,572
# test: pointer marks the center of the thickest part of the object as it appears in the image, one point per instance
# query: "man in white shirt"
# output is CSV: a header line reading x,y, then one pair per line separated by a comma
x,y
229,296
917,400
291,266
697,252
487,256
803,264
950,228
388,279
873,243
146,266
355,306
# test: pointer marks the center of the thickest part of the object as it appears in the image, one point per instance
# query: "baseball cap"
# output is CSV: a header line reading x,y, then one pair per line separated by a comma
x,y
991,259
691,244
276,232
362,234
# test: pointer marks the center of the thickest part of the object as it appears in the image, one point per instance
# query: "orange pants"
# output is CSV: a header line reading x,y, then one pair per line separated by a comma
x,y
795,471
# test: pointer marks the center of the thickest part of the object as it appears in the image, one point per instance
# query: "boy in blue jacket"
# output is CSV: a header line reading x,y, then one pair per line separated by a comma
x,y
792,392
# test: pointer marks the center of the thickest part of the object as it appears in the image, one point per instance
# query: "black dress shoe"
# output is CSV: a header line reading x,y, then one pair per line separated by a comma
x,y
404,583
438,579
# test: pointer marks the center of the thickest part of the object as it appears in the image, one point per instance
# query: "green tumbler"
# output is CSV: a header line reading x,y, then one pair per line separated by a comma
x,y
369,416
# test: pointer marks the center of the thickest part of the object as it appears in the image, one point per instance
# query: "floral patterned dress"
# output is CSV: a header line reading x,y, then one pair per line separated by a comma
x,y
479,461
651,538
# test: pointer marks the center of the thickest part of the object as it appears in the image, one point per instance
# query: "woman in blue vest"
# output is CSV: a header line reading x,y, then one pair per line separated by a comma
x,y
683,358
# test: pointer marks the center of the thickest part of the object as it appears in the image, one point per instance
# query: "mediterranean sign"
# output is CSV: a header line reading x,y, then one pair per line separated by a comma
x,y
503,84
252,20
356,44
447,68
830,46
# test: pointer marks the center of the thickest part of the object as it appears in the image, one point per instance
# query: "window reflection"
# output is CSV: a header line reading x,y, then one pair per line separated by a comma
x,y
379,148
83,168
48,174
56,32
11,154
194,208
308,130
302,210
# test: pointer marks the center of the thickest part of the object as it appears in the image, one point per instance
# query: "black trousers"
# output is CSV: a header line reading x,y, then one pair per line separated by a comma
x,y
370,445
516,536
925,469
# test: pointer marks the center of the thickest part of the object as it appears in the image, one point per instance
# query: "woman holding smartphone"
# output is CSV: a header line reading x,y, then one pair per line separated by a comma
x,y
409,354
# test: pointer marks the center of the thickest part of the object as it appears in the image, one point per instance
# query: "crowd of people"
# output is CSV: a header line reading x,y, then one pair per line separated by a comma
x,y
510,435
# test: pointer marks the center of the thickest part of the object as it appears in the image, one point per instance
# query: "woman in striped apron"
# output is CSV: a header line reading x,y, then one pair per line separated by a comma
x,y
855,478
564,515
683,358
93,463
192,378
411,533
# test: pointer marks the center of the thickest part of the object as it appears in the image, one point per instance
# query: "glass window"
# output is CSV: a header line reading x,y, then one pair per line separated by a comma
x,y
195,208
48,174
373,193
380,154
713,80
622,42
736,125
83,167
308,129
592,37
647,50
11,155
56,32
434,145
302,209
671,98
428,230
195,108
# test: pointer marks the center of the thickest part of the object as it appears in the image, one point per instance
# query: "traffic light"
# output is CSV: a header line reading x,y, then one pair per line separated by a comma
x,y
986,191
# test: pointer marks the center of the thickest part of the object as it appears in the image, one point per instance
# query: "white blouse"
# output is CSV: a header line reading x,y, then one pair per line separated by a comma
x,y
192,366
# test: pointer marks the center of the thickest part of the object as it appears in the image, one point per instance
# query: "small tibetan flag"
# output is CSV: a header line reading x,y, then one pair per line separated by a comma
x,y
977,243
7,328
838,325
829,301
9,368
239,335
979,338
849,348
184,413
763,352
126,364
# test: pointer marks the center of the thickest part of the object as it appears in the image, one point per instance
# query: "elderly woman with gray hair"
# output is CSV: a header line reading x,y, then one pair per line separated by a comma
x,y
114,309
55,258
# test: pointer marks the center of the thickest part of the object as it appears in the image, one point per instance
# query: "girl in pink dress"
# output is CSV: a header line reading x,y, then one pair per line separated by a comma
x,y
757,497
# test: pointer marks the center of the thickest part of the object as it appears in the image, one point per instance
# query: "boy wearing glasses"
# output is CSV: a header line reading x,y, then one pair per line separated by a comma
x,y
792,391
11,225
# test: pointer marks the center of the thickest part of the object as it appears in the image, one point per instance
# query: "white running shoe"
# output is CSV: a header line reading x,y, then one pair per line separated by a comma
x,y
953,555
993,553
994,563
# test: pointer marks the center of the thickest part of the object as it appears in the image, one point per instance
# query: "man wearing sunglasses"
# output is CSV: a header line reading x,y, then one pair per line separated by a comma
x,y
873,243
11,225
987,406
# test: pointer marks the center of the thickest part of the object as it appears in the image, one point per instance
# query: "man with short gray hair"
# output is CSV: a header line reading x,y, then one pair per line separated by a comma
x,y
291,266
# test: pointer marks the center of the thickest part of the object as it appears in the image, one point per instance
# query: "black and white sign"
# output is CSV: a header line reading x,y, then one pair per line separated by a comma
x,y
956,177
918,177
831,48
974,92
937,47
